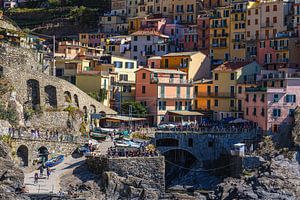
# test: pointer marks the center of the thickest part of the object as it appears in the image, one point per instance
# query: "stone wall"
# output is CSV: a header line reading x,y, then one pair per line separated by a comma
x,y
150,169
50,120
32,146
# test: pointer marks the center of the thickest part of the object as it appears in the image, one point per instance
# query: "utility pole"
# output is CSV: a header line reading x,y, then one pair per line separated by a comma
x,y
54,67
130,116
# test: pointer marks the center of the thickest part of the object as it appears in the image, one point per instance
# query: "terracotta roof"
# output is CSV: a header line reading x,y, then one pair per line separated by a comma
x,y
181,54
163,71
145,33
230,66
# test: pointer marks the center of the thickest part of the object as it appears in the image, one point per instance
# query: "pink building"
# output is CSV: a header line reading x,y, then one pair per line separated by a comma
x,y
272,104
153,24
166,93
154,62
203,33
190,42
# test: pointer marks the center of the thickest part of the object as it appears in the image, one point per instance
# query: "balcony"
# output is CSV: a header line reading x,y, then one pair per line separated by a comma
x,y
204,27
171,81
220,35
238,19
216,95
238,40
219,26
266,25
280,48
219,45
256,89
238,10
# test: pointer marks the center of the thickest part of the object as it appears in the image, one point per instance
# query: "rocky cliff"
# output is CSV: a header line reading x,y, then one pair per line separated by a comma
x,y
11,177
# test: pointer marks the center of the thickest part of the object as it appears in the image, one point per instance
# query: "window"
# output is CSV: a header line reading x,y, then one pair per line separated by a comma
x,y
208,104
135,38
262,113
231,103
118,64
178,92
290,98
216,76
256,21
249,12
162,91
148,37
232,76
240,90
123,77
256,11
274,20
129,65
291,112
274,7
144,89
216,90
276,98
254,112
188,92
162,105
247,111
267,8
254,97
262,99
144,76
276,112
216,102
248,22
135,48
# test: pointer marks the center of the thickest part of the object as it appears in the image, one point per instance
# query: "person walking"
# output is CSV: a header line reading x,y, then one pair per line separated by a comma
x,y
41,170
36,178
48,172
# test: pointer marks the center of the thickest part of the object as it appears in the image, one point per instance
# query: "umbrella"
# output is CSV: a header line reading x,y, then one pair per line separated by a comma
x,y
237,121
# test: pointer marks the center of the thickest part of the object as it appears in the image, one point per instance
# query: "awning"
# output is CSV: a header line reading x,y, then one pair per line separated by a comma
x,y
123,119
185,113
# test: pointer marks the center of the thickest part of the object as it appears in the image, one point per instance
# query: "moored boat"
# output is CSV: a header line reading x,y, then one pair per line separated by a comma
x,y
55,161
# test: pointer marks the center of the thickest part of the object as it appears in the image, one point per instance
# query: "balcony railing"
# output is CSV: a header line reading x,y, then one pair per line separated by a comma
x,y
280,48
266,25
219,26
218,94
257,89
219,35
219,45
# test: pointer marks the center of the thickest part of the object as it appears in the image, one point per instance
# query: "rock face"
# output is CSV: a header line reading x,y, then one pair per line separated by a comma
x,y
278,178
11,177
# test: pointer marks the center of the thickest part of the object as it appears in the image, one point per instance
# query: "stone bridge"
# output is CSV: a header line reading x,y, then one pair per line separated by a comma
x,y
28,150
205,147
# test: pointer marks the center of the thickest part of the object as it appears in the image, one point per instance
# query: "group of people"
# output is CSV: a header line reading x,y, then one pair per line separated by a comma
x,y
115,152
41,174
52,134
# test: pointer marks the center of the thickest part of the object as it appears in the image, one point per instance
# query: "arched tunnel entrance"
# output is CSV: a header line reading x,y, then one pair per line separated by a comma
x,y
178,163
22,154
43,154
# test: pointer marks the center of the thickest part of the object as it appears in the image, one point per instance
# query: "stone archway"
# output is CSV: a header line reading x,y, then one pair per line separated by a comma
x,y
51,96
33,93
178,162
92,109
76,101
68,97
43,154
22,154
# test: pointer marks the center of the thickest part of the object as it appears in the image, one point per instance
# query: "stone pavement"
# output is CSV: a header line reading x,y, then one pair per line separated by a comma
x,y
51,185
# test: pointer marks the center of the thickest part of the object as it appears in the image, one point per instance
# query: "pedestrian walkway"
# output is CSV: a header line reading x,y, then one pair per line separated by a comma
x,y
51,185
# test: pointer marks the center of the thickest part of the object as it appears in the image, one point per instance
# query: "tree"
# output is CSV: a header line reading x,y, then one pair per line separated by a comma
x,y
138,110
99,96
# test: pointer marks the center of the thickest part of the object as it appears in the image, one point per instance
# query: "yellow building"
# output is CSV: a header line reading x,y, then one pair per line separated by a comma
x,y
134,24
220,94
195,64
220,35
94,81
238,31
124,86
185,11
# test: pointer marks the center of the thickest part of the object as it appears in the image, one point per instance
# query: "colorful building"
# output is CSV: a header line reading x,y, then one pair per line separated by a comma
x,y
91,39
124,85
220,94
113,24
203,33
118,46
220,35
272,104
145,44
195,64
162,91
